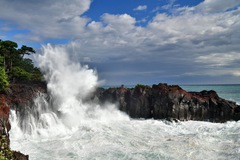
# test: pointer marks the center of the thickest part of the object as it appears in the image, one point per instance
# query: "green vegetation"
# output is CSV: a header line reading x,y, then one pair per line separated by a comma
x,y
14,67
5,151
3,80
142,86
3,76
20,74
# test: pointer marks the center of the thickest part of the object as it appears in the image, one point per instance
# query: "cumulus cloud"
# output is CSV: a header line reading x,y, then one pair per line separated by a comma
x,y
46,19
178,45
219,59
140,8
168,6
236,73
121,23
217,5
199,40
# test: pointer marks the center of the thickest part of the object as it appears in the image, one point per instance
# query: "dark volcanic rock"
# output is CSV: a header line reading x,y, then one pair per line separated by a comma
x,y
17,97
4,133
19,156
160,101
164,101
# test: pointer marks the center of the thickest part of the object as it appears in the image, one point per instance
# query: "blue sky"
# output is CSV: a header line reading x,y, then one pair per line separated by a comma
x,y
98,8
135,41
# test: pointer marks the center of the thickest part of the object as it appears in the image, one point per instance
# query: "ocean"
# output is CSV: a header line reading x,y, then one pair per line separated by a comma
x,y
70,128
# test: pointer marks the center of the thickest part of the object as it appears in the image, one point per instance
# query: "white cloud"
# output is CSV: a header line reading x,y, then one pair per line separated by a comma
x,y
215,72
236,73
219,59
192,43
217,5
46,19
140,8
169,5
194,25
122,22
189,42
218,64
182,41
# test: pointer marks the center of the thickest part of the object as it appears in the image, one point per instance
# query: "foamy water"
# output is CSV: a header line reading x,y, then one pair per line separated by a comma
x,y
69,126
136,139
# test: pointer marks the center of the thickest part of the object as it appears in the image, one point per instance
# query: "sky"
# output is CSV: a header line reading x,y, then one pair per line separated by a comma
x,y
135,41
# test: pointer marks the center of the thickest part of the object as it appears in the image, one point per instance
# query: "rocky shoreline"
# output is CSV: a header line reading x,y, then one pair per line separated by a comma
x,y
164,101
17,97
6,152
160,101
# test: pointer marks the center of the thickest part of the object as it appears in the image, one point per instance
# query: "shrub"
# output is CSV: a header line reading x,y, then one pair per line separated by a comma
x,y
142,86
37,75
3,80
5,151
20,74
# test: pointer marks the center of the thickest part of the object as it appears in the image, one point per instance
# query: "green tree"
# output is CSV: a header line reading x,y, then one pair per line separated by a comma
x,y
1,61
3,80
15,66
25,50
20,74
8,49
37,75
3,76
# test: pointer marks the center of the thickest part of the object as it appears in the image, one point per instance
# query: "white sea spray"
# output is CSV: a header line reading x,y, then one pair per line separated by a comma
x,y
69,127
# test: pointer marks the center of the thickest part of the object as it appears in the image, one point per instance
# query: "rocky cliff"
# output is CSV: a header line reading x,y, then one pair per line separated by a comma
x,y
164,101
160,101
17,97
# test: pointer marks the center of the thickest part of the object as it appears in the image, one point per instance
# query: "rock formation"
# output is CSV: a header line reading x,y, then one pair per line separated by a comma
x,y
17,97
164,101
160,101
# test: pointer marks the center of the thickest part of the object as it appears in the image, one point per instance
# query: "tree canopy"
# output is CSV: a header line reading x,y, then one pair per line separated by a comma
x,y
14,67
3,76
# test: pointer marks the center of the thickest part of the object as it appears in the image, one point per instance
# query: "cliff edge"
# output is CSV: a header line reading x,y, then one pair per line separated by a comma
x,y
17,97
164,101
160,101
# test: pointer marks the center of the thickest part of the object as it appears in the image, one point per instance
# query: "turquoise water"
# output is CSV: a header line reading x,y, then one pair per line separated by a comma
x,y
229,92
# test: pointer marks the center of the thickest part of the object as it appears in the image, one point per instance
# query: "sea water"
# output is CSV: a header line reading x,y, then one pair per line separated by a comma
x,y
68,126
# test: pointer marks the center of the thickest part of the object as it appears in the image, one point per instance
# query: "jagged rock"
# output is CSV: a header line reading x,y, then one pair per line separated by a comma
x,y
164,101
19,156
4,132
4,122
160,101
17,97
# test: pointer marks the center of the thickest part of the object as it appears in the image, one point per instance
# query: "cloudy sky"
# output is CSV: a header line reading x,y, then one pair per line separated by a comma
x,y
135,41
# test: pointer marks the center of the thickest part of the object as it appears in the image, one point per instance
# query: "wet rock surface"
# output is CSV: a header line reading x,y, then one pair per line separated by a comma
x,y
160,101
17,97
164,101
